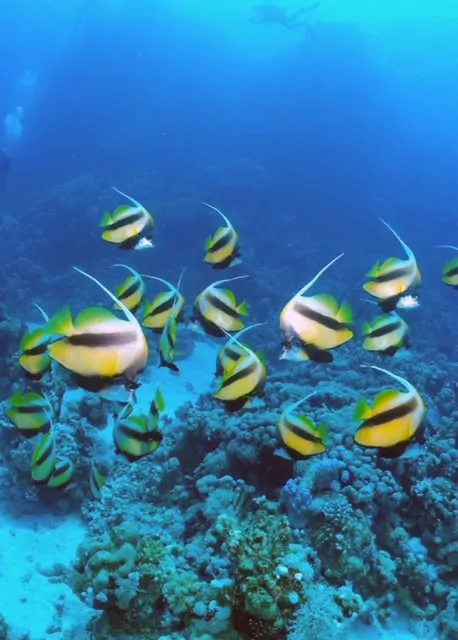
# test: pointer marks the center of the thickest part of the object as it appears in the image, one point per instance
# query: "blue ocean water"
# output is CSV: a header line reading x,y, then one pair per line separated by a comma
x,y
304,123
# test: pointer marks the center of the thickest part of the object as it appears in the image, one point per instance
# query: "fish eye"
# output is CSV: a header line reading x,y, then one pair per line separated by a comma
x,y
287,345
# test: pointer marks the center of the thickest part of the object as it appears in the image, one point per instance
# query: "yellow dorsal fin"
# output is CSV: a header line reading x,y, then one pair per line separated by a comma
x,y
390,264
372,273
61,324
230,295
386,398
328,302
94,315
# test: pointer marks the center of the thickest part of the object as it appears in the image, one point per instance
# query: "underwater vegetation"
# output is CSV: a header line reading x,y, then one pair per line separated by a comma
x,y
299,497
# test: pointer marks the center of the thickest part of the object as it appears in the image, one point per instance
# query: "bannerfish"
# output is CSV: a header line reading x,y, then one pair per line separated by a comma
x,y
450,270
314,324
386,334
62,474
166,303
392,280
231,351
132,291
34,357
217,309
167,345
96,482
393,420
136,436
43,458
99,348
242,379
30,413
299,435
129,226
222,249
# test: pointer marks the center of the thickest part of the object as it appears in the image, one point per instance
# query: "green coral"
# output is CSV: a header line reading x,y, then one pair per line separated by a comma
x,y
268,571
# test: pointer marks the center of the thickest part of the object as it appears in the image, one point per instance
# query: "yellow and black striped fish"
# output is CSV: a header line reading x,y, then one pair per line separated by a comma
x,y
43,458
450,270
129,227
167,345
386,334
98,347
34,357
166,303
30,413
217,309
391,281
222,249
242,379
96,482
62,474
299,435
315,324
132,291
232,351
136,436
393,420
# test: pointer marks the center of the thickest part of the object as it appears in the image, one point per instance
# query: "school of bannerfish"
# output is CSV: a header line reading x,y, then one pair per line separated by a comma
x,y
101,349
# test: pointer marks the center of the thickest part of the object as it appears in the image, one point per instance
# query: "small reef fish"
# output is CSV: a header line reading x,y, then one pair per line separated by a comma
x,y
136,436
222,249
99,348
386,334
450,270
217,310
391,281
231,351
167,345
29,412
166,303
62,474
393,420
96,482
132,291
43,458
314,324
242,379
129,226
300,437
34,357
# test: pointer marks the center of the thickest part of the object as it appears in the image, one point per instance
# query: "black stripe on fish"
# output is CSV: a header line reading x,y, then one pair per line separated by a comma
x,y
222,306
389,415
39,350
300,433
62,468
170,340
223,241
451,273
240,375
165,305
134,287
102,339
45,455
30,409
316,316
124,222
392,275
385,330
142,436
